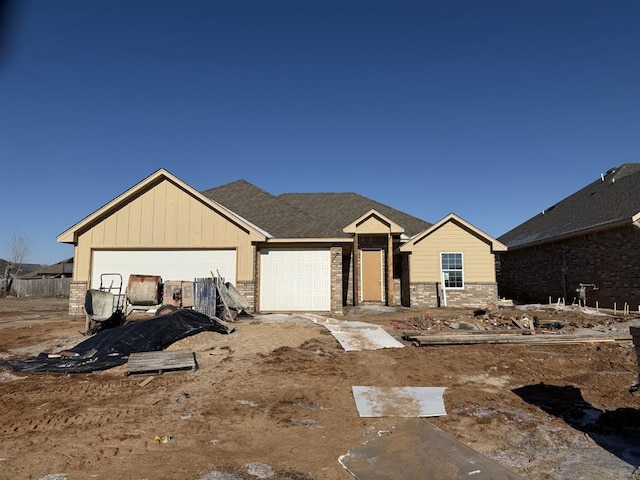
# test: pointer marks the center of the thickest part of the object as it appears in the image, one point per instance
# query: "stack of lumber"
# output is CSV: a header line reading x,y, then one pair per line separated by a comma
x,y
484,337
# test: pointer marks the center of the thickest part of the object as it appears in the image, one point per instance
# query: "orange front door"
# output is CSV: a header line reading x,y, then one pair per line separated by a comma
x,y
371,275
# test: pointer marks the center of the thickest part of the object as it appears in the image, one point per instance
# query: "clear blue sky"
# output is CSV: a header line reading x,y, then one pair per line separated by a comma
x,y
493,110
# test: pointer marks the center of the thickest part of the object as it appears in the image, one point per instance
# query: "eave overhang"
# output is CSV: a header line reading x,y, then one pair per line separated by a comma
x,y
634,221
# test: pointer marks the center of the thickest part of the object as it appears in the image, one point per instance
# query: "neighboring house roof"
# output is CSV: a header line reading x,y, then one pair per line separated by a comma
x,y
64,267
496,246
305,215
24,269
612,200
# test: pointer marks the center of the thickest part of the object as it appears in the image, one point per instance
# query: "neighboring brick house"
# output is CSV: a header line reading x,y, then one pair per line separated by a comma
x,y
290,252
585,247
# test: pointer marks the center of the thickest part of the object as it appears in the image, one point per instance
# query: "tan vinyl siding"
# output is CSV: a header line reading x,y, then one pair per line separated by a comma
x,y
478,260
165,216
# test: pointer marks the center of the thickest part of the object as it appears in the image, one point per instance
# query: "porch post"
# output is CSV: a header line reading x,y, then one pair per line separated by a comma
x,y
390,295
356,271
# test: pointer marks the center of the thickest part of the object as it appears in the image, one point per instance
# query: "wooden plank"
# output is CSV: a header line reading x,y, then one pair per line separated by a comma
x,y
160,362
428,340
146,381
462,333
220,286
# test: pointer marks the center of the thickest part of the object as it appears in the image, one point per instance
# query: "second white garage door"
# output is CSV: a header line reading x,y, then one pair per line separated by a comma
x,y
295,280
169,264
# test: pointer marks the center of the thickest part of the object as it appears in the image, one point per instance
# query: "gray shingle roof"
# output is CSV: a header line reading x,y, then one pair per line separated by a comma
x,y
304,215
344,208
612,199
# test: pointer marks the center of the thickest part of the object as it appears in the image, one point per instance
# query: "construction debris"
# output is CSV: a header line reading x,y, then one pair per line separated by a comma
x,y
111,348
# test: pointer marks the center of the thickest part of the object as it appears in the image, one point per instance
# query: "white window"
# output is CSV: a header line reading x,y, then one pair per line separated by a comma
x,y
452,271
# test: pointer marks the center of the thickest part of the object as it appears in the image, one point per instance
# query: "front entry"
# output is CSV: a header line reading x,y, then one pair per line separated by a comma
x,y
372,276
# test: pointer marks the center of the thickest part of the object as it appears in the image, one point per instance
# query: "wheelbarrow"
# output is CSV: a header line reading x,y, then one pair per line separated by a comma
x,y
104,306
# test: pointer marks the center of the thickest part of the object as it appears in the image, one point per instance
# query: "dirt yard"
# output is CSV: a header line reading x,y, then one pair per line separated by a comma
x,y
274,399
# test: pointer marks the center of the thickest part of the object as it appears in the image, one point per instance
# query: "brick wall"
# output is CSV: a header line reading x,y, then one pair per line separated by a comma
x,y
608,259
77,292
471,296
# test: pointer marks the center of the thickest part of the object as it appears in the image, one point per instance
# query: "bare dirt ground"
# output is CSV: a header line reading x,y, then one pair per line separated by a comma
x,y
274,399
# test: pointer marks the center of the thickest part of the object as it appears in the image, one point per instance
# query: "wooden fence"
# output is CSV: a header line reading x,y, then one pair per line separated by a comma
x,y
41,287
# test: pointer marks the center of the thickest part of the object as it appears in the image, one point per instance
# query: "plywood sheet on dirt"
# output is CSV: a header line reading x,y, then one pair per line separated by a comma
x,y
160,362
399,401
358,335
418,449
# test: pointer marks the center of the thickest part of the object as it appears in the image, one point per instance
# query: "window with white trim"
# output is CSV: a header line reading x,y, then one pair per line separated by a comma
x,y
452,272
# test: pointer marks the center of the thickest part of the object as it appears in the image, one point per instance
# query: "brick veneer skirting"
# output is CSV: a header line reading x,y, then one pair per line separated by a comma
x,y
248,291
473,295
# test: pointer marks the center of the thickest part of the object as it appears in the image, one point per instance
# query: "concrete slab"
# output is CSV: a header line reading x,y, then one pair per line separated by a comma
x,y
417,449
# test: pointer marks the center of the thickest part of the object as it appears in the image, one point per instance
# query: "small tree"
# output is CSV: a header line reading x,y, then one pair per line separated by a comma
x,y
18,249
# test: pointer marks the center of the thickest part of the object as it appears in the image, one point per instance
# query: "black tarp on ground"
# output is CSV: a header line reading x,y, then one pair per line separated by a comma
x,y
111,348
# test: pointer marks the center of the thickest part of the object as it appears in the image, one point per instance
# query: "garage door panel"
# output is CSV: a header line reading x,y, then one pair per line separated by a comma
x,y
295,280
169,264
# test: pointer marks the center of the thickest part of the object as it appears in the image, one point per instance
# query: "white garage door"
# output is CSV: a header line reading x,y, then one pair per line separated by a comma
x,y
169,264
295,280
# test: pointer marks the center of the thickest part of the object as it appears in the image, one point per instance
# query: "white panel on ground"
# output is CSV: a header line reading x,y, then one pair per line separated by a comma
x,y
358,335
399,401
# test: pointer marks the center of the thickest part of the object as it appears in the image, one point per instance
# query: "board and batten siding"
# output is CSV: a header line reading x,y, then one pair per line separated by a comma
x,y
478,260
165,216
